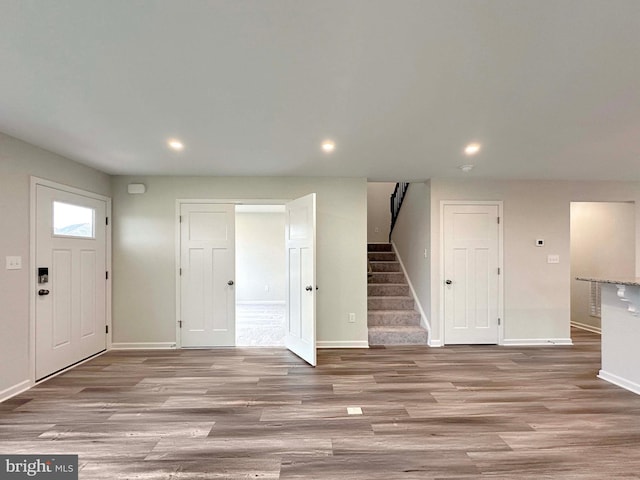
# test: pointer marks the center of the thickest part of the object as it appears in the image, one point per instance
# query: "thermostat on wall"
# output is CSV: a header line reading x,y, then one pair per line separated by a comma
x,y
539,242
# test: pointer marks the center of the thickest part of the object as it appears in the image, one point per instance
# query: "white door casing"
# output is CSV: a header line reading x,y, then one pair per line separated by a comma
x,y
207,263
471,273
71,307
300,240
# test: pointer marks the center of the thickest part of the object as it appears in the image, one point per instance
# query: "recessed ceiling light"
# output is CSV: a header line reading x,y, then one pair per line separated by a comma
x,y
328,146
472,148
176,145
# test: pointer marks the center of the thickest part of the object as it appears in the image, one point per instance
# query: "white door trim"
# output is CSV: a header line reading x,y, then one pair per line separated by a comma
x,y
35,181
499,204
178,206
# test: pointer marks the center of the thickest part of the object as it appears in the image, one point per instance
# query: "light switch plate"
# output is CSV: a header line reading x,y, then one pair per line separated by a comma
x,y
553,258
14,263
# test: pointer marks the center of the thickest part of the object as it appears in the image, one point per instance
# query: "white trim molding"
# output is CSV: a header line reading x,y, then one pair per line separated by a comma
x,y
433,342
536,342
619,381
342,344
143,346
17,389
588,328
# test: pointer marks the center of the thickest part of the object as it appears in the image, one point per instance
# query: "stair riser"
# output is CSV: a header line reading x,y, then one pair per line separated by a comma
x,y
393,338
380,290
379,247
404,319
381,256
383,303
385,266
388,277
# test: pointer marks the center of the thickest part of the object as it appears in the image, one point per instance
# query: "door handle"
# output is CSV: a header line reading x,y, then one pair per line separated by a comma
x,y
448,282
42,292
230,282
308,288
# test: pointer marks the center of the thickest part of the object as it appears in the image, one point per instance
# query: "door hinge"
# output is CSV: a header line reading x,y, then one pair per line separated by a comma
x,y
498,322
106,275
106,329
180,323
498,220
180,218
498,270
180,271
107,221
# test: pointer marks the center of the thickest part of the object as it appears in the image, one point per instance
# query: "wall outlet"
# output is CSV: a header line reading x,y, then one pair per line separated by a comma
x,y
266,288
553,258
540,242
352,318
14,263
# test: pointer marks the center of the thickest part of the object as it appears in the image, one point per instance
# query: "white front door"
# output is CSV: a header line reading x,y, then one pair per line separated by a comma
x,y
207,276
71,263
471,275
300,240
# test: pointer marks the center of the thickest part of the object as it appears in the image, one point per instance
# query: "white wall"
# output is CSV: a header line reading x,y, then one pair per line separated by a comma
x,y
602,245
379,211
144,250
537,294
411,236
260,257
18,162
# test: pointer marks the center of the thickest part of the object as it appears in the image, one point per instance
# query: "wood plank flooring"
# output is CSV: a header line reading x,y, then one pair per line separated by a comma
x,y
428,413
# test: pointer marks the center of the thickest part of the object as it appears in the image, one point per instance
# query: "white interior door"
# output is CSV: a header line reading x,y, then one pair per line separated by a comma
x,y
207,262
471,262
71,300
300,239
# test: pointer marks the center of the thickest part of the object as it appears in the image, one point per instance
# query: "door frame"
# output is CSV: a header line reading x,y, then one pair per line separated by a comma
x,y
499,204
35,182
178,206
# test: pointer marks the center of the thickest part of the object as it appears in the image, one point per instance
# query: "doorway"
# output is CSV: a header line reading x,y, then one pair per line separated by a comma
x,y
260,275
471,272
70,251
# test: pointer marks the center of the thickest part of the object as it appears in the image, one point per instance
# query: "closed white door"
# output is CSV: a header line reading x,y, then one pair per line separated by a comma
x,y
71,287
471,275
300,240
207,263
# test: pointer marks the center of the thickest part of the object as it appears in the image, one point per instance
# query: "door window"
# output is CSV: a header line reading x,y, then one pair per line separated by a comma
x,y
73,220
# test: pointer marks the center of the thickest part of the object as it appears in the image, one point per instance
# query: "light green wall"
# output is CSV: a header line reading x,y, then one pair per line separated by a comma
x,y
144,245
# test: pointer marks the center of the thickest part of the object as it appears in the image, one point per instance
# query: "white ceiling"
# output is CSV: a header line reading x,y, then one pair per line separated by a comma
x,y
550,88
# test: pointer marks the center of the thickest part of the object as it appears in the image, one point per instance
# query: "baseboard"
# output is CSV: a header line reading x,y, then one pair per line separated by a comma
x,y
588,328
17,389
424,323
619,381
143,346
536,342
261,302
343,344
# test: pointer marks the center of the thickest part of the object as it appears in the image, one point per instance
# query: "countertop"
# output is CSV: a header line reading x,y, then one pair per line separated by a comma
x,y
614,280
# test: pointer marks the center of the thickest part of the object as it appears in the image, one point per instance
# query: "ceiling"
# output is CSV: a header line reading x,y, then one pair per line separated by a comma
x,y
551,89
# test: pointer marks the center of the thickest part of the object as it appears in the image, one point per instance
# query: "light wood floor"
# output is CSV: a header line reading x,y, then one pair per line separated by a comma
x,y
454,412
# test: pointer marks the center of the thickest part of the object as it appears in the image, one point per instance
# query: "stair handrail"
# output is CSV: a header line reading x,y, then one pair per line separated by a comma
x,y
397,197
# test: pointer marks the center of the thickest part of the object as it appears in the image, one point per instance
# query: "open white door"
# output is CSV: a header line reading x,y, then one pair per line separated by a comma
x,y
71,266
207,266
300,244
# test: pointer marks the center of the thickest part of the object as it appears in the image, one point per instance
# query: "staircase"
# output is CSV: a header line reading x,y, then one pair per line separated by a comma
x,y
392,317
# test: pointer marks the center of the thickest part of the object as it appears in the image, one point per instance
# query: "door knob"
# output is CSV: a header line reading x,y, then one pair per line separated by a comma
x,y
230,282
308,288
42,292
448,282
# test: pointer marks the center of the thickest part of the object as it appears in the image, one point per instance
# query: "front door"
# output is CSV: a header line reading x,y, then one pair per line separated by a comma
x,y
71,286
300,240
471,273
207,275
